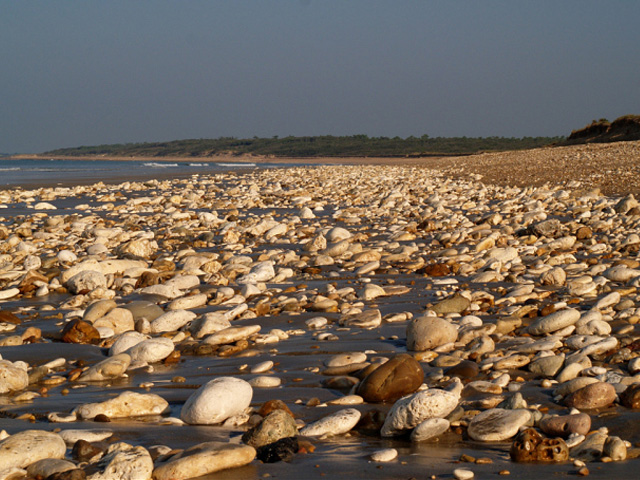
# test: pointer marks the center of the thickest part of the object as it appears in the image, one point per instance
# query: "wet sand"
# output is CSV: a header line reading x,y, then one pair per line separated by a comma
x,y
413,213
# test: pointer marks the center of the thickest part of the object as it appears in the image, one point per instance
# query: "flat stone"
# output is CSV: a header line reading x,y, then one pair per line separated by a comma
x,y
497,424
455,304
555,321
595,395
113,367
547,366
171,321
231,335
203,459
430,428
337,423
127,404
80,331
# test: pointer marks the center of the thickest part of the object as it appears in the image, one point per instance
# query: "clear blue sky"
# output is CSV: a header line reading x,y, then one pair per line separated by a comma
x,y
88,72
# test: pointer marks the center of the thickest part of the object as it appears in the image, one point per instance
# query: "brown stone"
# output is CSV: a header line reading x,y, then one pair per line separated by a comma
x,y
275,426
584,233
436,270
396,378
271,405
75,474
565,425
464,369
630,398
8,317
79,331
594,395
84,451
530,446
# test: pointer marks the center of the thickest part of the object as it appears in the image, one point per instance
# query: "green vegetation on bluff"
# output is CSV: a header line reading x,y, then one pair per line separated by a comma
x,y
321,146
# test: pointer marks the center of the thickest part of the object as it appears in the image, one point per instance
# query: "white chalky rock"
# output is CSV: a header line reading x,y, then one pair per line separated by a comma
x,y
105,267
384,455
555,321
372,291
216,401
337,234
24,448
344,359
162,290
621,273
13,377
204,459
120,320
262,272
113,367
367,319
497,424
209,323
188,302
265,381
71,435
337,423
231,334
85,281
98,310
127,404
9,293
151,351
183,282
125,341
44,206
430,428
172,321
66,256
124,462
316,322
463,474
408,412
141,248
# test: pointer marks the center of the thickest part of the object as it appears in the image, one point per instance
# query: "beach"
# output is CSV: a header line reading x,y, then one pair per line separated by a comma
x,y
496,292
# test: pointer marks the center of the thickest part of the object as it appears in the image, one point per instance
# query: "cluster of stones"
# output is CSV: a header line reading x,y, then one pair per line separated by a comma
x,y
520,290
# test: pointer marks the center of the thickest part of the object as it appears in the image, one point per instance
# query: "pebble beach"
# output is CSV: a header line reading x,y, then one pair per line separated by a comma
x,y
375,318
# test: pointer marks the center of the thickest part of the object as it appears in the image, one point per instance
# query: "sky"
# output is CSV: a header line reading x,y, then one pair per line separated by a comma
x,y
92,72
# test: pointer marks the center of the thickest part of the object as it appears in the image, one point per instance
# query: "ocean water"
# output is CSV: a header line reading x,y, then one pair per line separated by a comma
x,y
43,172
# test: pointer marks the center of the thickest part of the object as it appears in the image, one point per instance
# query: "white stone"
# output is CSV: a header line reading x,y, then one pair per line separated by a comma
x,y
28,446
231,334
151,351
209,323
462,474
85,281
204,459
127,404
555,321
216,401
188,302
112,367
120,320
337,423
13,377
265,381
171,321
262,272
71,436
125,341
49,466
430,428
497,424
9,293
408,412
384,455
124,462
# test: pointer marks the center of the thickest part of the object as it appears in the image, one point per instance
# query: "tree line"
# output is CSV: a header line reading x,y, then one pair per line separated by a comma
x,y
316,146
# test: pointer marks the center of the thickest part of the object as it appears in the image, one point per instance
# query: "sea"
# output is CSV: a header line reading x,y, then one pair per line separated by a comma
x,y
28,173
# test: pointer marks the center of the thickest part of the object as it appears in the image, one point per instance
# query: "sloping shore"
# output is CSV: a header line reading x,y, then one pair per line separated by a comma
x,y
614,168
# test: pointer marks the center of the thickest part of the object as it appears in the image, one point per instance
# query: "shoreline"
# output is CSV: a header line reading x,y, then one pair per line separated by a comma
x,y
613,168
